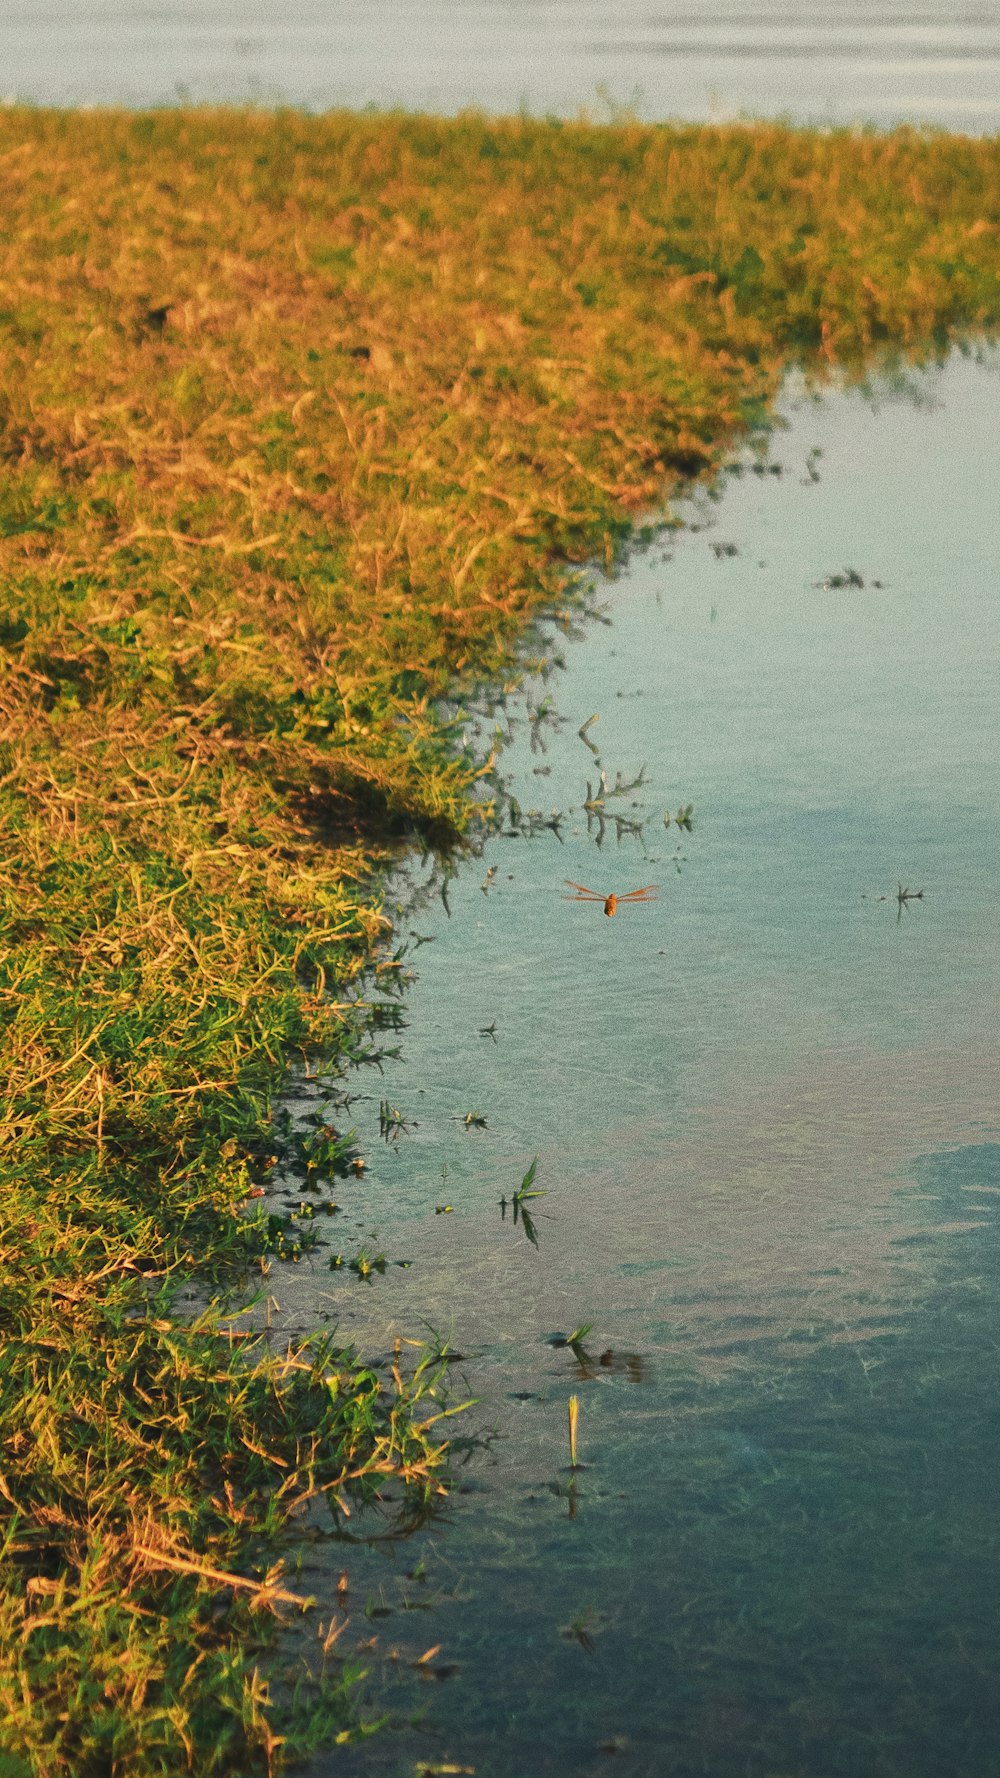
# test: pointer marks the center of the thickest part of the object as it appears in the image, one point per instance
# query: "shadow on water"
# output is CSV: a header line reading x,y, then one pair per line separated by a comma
x,y
722,1167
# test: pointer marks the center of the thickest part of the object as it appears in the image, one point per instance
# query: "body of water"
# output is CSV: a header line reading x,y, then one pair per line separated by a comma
x,y
818,61
765,1112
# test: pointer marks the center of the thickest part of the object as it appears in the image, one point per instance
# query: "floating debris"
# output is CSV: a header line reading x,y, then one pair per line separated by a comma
x,y
849,578
902,898
582,732
812,473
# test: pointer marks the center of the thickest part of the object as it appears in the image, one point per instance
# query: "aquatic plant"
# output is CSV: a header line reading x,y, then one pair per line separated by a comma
x,y
581,1628
574,1421
392,1123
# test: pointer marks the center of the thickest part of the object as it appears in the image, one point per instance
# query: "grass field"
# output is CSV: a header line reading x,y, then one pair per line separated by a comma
x,y
300,419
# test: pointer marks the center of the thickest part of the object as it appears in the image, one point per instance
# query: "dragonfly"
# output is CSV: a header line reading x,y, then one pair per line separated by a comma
x,y
613,901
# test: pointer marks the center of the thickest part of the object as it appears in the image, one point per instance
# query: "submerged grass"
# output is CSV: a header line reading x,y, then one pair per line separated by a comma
x,y
300,419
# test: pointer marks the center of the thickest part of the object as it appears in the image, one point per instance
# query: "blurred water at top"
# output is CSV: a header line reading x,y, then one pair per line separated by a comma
x,y
816,61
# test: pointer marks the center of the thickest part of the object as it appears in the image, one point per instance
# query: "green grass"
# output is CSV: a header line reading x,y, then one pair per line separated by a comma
x,y
301,419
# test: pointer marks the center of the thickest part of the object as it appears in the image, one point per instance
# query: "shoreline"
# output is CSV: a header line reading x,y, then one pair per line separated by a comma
x,y
303,419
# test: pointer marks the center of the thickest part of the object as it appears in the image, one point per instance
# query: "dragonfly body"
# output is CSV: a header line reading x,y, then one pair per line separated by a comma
x,y
612,901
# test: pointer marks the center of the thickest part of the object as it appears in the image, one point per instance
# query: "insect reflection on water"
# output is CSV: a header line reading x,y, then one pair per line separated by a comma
x,y
613,901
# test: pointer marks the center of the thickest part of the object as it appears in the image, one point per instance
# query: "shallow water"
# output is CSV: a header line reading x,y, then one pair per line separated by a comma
x,y
817,61
765,1112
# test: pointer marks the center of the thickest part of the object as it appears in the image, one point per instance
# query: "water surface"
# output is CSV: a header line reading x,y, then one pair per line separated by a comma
x,y
819,61
765,1113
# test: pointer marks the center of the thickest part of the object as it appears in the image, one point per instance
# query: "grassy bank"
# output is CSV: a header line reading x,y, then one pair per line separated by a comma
x,y
300,419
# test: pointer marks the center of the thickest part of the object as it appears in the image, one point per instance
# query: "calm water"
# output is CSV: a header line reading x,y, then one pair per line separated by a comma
x,y
816,60
766,1119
